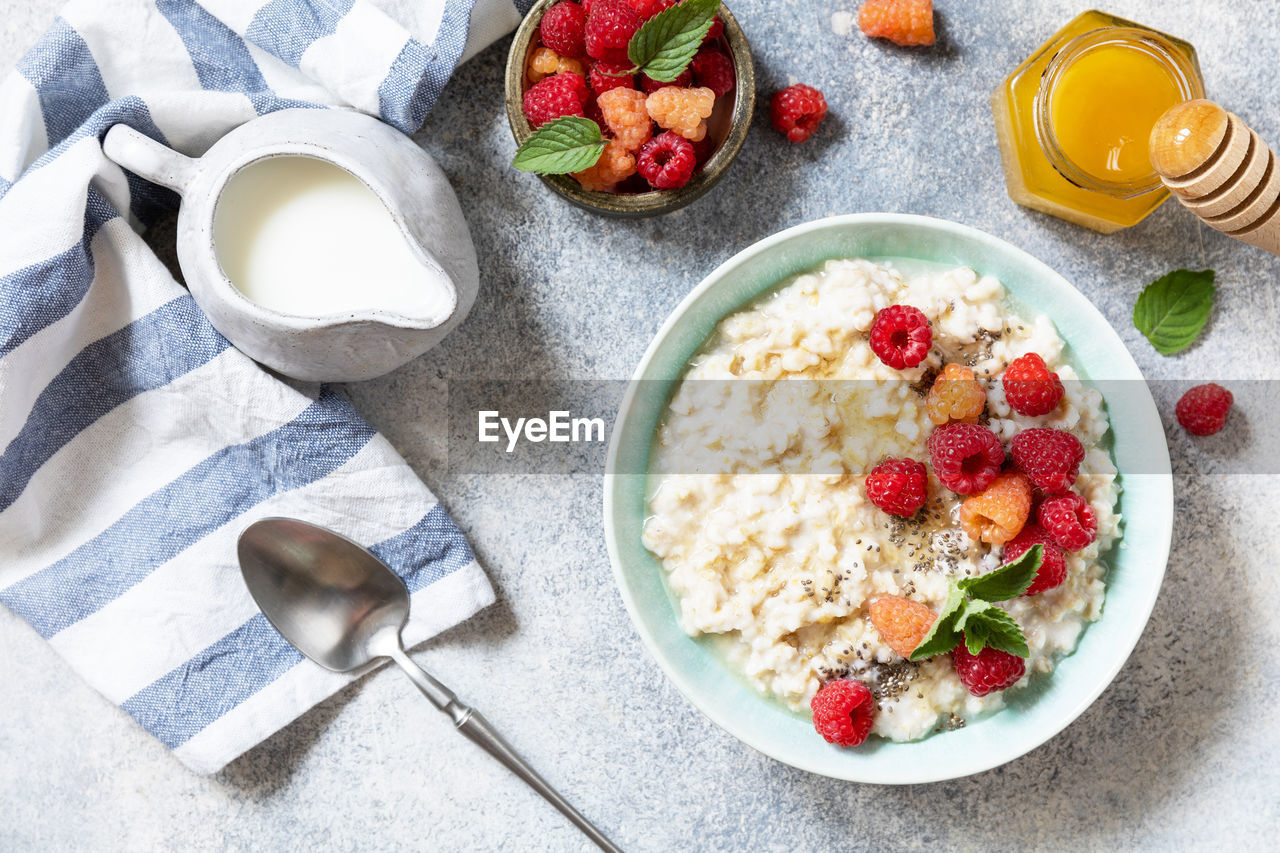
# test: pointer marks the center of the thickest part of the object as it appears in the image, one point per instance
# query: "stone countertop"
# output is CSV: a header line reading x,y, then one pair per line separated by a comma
x,y
1181,751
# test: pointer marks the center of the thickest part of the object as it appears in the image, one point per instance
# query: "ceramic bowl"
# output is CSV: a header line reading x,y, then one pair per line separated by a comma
x,y
633,205
1033,714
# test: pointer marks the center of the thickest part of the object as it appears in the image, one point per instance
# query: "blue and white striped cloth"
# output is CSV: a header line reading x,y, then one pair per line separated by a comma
x,y
137,443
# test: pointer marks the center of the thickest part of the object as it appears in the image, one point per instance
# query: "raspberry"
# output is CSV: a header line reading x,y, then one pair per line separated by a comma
x,y
703,149
610,26
843,712
546,61
997,513
955,396
559,95
901,336
987,671
1031,387
1069,520
649,85
684,111
717,30
1049,457
591,109
901,622
626,117
898,486
713,69
603,76
563,29
646,9
965,457
1053,566
905,22
667,161
1203,410
615,164
797,111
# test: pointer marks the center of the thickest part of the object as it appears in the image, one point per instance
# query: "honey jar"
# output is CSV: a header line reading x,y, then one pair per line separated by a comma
x,y
1073,120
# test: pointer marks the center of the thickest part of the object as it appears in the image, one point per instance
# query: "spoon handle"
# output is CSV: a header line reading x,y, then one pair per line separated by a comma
x,y
478,730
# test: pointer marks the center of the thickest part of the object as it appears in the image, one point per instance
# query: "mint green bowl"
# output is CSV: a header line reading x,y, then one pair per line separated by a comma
x,y
1049,703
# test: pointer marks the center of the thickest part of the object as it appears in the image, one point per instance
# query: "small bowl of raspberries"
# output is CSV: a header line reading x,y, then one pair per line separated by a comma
x,y
629,108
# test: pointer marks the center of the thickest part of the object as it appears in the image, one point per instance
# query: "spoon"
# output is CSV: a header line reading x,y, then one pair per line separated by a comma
x,y
342,607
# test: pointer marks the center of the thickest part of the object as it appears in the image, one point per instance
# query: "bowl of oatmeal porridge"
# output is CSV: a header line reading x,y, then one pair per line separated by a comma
x,y
742,537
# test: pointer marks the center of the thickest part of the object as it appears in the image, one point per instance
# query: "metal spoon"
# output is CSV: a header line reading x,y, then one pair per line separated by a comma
x,y
342,607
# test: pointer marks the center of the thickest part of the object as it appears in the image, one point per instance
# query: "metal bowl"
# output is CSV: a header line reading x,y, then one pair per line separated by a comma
x,y
632,205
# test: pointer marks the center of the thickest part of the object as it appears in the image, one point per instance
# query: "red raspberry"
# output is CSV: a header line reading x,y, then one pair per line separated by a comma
x,y
563,29
1203,410
965,457
797,111
717,30
713,68
901,336
898,486
1049,457
610,26
703,149
646,9
843,712
987,671
1069,520
905,22
591,109
667,161
603,76
1053,566
650,85
550,98
1031,387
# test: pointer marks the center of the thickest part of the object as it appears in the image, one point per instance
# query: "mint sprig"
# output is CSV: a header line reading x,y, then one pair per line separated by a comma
x,y
665,44
1172,311
568,144
970,615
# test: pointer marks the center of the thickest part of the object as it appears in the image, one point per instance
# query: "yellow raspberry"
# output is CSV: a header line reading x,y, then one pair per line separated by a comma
x,y
624,112
546,62
955,396
683,111
901,622
997,513
616,163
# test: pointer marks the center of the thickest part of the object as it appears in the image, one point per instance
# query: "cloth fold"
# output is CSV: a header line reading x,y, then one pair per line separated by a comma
x,y
136,442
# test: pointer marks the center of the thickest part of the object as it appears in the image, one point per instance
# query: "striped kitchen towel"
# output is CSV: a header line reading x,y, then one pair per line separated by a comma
x,y
137,443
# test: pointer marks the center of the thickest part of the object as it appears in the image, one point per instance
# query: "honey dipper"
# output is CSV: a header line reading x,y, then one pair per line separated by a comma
x,y
1220,170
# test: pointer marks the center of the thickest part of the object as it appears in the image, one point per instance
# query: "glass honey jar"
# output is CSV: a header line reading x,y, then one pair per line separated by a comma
x,y
1074,119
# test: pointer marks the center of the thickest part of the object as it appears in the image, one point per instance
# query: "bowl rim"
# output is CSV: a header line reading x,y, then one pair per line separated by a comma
x,y
1157,546
656,202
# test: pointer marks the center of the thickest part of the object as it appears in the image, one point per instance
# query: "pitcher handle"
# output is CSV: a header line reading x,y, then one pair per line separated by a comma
x,y
147,158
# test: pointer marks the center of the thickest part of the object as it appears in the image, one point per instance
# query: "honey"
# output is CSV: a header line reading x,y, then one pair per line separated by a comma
x,y
1074,119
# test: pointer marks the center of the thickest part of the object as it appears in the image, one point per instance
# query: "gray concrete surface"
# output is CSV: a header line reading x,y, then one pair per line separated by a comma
x,y
1181,752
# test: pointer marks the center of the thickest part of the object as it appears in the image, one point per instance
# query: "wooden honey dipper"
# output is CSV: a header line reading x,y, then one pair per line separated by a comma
x,y
1220,170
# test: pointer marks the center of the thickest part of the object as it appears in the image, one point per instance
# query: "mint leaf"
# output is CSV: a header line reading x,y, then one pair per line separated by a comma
x,y
1172,310
996,629
665,44
943,636
568,144
1009,581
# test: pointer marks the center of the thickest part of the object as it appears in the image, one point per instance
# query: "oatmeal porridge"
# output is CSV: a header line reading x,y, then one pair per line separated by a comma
x,y
761,520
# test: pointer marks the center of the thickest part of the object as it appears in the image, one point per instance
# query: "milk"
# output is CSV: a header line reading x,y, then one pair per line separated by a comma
x,y
302,236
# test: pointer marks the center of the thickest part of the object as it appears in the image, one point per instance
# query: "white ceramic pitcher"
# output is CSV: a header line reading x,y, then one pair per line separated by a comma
x,y
339,347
